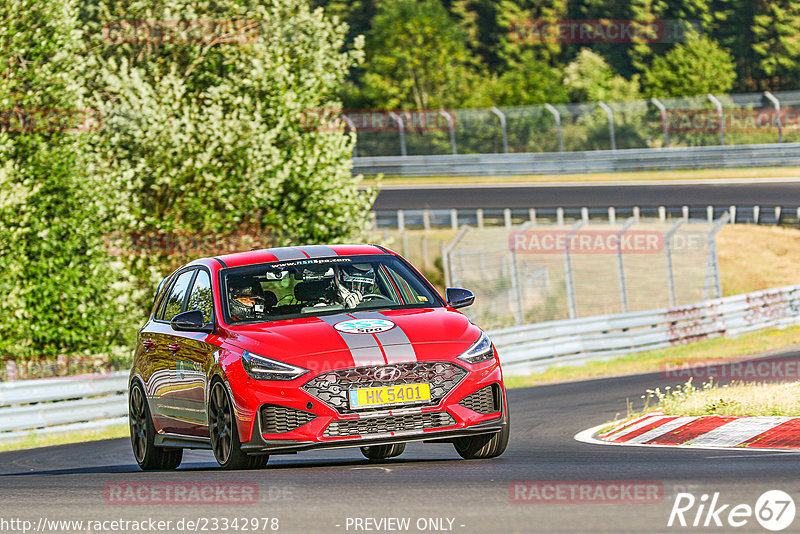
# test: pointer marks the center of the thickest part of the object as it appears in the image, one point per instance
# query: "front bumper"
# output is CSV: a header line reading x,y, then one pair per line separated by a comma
x,y
319,425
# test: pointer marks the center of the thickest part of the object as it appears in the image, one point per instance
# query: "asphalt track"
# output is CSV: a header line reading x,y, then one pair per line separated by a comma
x,y
735,192
319,491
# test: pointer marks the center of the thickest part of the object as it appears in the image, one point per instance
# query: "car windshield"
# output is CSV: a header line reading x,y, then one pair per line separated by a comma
x,y
290,289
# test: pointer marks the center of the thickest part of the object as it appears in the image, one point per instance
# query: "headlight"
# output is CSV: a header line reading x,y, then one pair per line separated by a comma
x,y
262,368
480,351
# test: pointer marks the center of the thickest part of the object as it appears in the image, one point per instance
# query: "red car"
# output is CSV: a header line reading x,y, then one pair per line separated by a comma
x,y
283,350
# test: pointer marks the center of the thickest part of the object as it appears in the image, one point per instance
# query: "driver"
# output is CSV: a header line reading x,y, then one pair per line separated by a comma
x,y
354,282
247,299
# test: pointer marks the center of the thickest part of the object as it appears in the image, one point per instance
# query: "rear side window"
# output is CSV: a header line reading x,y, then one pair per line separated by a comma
x,y
200,297
173,304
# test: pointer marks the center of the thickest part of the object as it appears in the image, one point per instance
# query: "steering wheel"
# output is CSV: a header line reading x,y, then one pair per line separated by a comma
x,y
376,296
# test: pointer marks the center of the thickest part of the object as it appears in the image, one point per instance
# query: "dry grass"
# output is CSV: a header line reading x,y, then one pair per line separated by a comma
x,y
689,174
758,257
743,399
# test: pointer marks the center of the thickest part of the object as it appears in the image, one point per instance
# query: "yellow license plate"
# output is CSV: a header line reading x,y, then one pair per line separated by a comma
x,y
389,396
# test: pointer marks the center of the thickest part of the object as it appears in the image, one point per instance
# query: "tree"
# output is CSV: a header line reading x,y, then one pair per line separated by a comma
x,y
211,136
528,82
589,77
697,67
416,58
63,293
775,45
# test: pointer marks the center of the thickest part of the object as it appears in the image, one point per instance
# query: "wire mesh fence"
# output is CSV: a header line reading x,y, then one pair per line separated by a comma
x,y
705,120
544,272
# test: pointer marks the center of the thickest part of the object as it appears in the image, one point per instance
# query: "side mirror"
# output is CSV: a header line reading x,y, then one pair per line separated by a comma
x,y
459,298
191,321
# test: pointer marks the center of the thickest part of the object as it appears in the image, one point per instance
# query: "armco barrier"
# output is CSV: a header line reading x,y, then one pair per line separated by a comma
x,y
609,161
54,405
65,404
534,348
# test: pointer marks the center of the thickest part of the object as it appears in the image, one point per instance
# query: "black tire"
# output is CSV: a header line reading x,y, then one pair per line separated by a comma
x,y
225,435
143,435
381,452
483,445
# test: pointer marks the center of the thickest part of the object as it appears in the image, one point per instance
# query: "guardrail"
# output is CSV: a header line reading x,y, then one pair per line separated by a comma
x,y
64,404
84,402
427,219
609,161
533,348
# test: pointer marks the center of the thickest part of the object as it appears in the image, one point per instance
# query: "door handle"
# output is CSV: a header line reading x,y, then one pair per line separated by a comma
x,y
174,347
147,344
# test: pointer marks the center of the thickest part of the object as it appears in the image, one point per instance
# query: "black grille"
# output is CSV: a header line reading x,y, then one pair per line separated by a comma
x,y
395,423
483,401
280,419
332,386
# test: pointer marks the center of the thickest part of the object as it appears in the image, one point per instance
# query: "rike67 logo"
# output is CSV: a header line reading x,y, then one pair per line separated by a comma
x,y
774,510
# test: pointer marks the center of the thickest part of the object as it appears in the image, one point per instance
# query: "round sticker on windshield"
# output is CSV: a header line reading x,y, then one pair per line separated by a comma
x,y
364,326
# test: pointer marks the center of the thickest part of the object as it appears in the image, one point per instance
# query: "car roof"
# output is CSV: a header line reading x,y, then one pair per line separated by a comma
x,y
267,255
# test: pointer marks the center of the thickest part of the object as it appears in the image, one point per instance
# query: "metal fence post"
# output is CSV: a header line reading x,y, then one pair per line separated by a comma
x,y
713,260
570,283
623,290
560,216
479,217
401,220
445,264
610,114
718,104
452,127
502,118
663,110
507,217
402,129
426,220
447,250
454,219
557,117
612,215
585,215
777,103
516,288
732,211
673,296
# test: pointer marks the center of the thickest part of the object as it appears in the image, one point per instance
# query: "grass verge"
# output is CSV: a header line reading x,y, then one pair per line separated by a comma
x,y
44,440
753,399
717,349
643,176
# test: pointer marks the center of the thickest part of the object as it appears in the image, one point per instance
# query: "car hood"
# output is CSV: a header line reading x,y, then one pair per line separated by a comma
x,y
426,334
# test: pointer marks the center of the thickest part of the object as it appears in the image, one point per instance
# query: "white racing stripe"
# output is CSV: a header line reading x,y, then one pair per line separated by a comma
x,y
395,342
738,431
661,430
363,347
644,421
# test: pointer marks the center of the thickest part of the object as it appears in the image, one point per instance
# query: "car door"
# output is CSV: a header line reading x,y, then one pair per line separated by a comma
x,y
193,357
163,380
